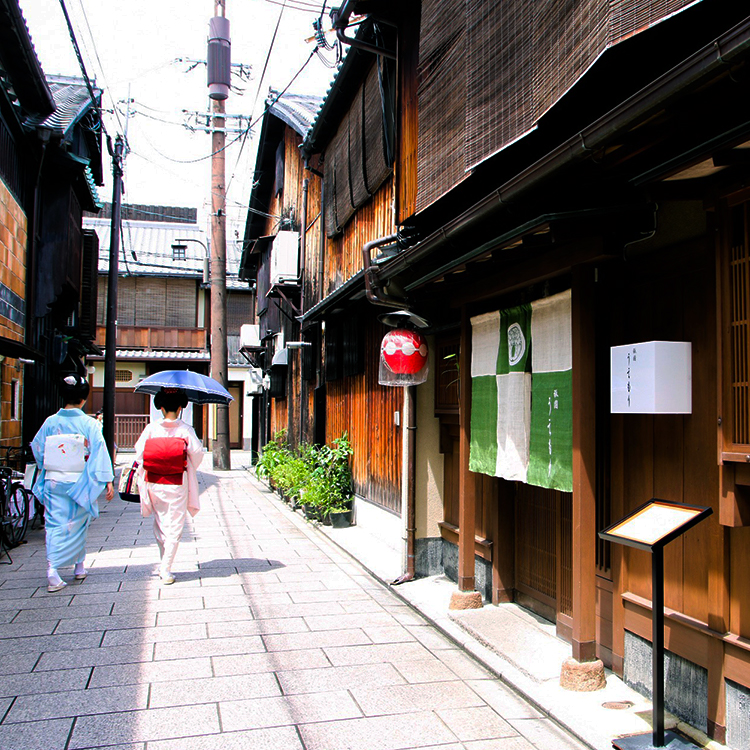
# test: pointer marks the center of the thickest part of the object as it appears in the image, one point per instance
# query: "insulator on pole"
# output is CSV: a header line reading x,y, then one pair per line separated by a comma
x,y
219,58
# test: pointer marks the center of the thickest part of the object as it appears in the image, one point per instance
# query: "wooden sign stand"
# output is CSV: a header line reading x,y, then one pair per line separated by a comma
x,y
650,528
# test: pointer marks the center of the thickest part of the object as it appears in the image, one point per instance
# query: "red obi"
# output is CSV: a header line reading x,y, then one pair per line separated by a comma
x,y
165,460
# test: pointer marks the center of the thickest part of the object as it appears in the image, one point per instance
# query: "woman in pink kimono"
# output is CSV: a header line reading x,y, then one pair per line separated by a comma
x,y
169,503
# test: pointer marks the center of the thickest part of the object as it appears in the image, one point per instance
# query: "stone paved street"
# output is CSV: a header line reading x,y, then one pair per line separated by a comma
x,y
271,638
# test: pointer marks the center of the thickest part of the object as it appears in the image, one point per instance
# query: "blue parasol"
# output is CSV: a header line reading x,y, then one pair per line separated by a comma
x,y
200,389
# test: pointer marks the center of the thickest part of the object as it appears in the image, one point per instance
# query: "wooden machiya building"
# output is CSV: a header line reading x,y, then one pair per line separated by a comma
x,y
561,180
50,165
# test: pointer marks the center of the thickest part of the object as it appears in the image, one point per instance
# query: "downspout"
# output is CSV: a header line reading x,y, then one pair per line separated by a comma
x,y
410,476
302,248
340,21
322,250
373,286
378,296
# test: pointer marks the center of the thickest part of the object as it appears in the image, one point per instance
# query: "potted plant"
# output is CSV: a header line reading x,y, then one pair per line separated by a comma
x,y
331,481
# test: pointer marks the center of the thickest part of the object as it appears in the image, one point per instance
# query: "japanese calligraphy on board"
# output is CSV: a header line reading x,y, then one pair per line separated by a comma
x,y
653,377
521,380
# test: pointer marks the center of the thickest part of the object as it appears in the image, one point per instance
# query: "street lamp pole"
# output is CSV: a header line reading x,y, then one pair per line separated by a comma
x,y
178,243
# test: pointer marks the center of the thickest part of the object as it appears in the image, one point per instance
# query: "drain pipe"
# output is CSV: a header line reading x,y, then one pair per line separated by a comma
x,y
373,286
409,478
378,296
340,21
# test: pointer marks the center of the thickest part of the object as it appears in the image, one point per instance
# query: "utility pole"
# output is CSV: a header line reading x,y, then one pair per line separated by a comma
x,y
110,354
218,81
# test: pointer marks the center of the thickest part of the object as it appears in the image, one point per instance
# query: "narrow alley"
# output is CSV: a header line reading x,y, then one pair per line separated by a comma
x,y
271,638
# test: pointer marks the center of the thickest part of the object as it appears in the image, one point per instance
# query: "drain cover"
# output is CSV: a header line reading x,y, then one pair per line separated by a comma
x,y
618,705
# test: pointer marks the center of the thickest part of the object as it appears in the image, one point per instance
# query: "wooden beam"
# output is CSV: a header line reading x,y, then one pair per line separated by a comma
x,y
584,465
467,489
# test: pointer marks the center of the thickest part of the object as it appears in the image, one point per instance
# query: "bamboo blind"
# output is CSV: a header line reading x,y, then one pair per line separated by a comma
x,y
442,99
489,70
739,274
151,302
356,162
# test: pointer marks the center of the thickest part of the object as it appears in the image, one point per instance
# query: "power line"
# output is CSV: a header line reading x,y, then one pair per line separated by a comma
x,y
77,49
101,67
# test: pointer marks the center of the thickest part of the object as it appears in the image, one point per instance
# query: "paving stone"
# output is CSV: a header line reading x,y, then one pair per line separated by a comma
x,y
47,601
505,701
506,743
50,643
429,638
171,633
413,730
338,678
36,683
257,627
210,690
388,634
92,657
477,723
287,710
159,605
72,703
143,726
321,639
397,699
62,612
280,661
261,609
214,647
326,595
21,629
35,735
543,733
462,665
17,663
184,617
338,622
281,738
377,653
108,623
151,671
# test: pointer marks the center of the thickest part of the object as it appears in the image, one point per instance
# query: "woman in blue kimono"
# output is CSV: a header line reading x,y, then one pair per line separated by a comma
x,y
75,468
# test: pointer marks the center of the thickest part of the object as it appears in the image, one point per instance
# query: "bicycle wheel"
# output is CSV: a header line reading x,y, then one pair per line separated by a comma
x,y
16,517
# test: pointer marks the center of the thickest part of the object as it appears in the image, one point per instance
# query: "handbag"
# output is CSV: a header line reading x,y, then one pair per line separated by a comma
x,y
128,485
165,460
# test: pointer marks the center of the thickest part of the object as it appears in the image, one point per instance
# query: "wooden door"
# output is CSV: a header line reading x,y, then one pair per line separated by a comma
x,y
544,571
235,415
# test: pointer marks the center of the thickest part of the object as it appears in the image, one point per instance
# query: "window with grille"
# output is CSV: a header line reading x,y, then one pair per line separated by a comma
x,y
123,376
736,325
178,252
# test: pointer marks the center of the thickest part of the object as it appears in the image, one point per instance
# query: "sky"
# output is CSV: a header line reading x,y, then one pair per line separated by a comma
x,y
141,50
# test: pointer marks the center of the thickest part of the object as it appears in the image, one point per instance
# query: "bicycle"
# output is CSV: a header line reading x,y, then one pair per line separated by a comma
x,y
15,501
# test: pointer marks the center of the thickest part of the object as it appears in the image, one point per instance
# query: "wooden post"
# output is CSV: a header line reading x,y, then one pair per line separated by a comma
x,y
219,358
466,480
584,465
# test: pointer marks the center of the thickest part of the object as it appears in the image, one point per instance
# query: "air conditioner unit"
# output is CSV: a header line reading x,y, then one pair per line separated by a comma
x,y
255,385
284,258
250,337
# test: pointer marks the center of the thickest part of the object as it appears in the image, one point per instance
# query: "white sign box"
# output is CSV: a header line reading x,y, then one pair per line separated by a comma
x,y
653,377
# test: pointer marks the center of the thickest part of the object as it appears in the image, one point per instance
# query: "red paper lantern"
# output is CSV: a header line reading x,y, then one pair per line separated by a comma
x,y
404,352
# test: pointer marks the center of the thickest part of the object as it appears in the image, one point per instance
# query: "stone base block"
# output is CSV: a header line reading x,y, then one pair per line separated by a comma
x,y
582,676
465,600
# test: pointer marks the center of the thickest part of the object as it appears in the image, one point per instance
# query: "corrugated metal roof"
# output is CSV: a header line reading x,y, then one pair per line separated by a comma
x,y
72,102
296,110
146,250
141,354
